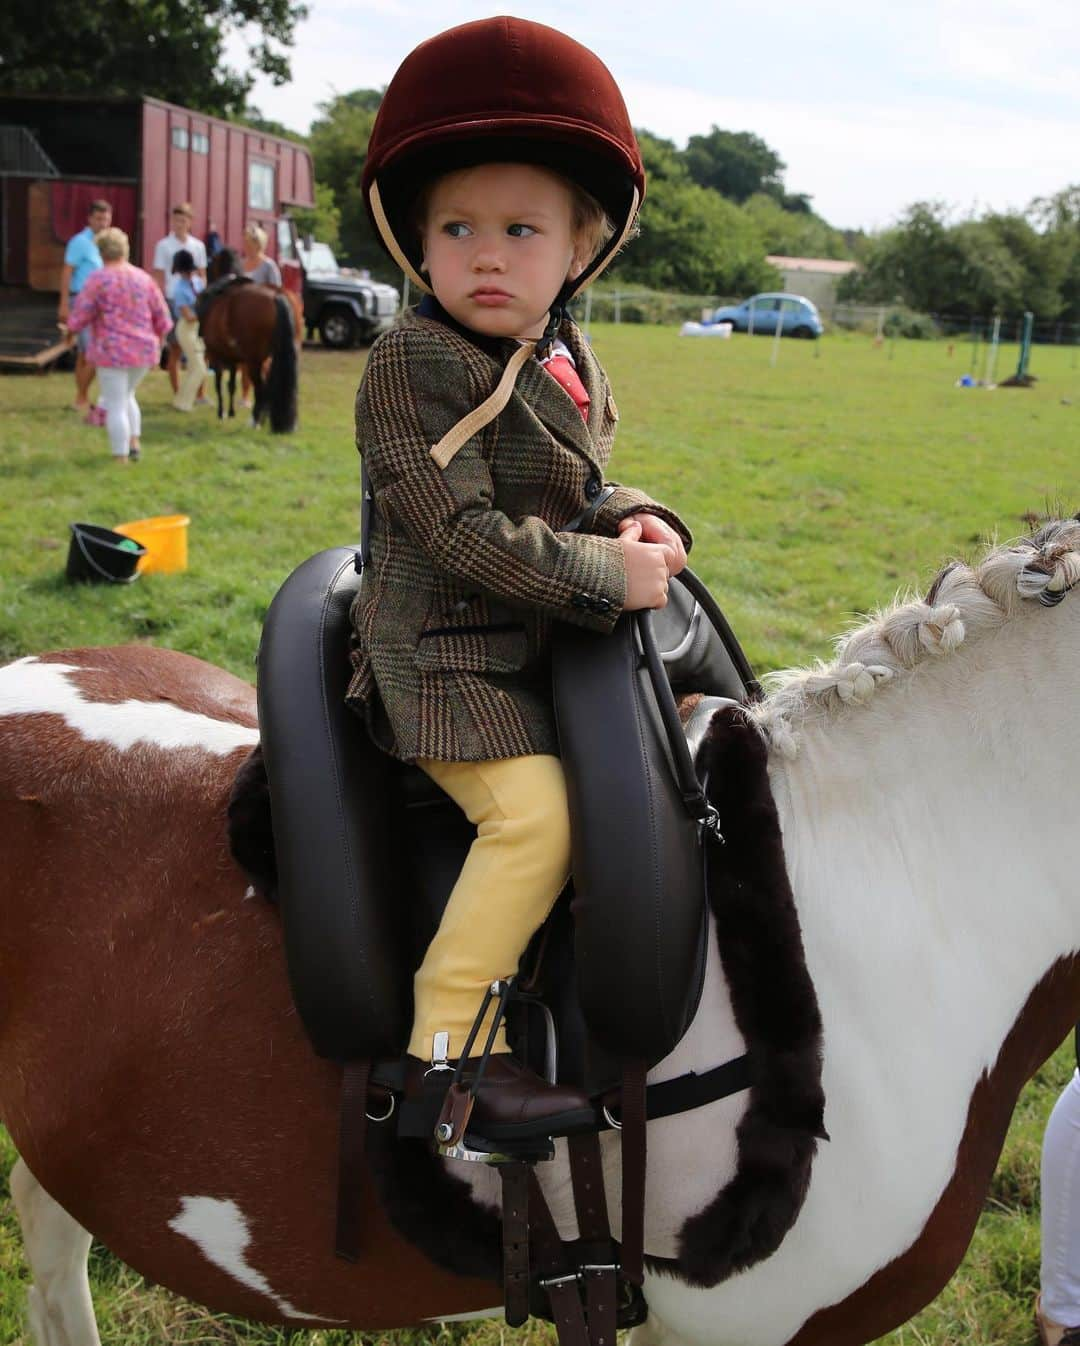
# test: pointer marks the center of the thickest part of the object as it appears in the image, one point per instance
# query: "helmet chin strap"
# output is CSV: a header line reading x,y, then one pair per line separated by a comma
x,y
555,320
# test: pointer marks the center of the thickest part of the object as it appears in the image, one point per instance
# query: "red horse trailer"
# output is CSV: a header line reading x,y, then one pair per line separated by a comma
x,y
59,154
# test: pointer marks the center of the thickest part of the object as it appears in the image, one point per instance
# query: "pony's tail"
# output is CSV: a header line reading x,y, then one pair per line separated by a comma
x,y
281,385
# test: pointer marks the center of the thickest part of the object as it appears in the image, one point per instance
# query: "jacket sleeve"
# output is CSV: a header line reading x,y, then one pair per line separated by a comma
x,y
625,500
414,390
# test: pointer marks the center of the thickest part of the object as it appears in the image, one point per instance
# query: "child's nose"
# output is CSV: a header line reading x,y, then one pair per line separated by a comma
x,y
488,255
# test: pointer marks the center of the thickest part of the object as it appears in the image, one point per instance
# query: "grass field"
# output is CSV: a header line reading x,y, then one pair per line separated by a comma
x,y
816,490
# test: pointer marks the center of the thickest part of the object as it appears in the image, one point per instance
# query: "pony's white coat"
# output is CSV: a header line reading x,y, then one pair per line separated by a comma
x,y
32,687
929,913
220,1231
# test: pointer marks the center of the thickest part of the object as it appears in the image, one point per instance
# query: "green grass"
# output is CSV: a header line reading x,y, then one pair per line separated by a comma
x,y
815,489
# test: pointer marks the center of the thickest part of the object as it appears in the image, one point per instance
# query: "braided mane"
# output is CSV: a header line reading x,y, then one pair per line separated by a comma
x,y
963,602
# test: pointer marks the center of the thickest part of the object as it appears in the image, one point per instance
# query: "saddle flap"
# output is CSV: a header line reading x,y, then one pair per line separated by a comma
x,y
639,908
334,824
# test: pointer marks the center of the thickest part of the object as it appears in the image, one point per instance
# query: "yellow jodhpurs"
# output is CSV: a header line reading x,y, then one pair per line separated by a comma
x,y
514,871
189,341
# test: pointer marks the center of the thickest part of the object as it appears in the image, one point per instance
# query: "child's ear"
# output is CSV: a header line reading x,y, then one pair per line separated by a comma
x,y
578,262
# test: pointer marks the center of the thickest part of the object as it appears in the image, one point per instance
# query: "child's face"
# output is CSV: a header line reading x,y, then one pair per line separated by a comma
x,y
498,245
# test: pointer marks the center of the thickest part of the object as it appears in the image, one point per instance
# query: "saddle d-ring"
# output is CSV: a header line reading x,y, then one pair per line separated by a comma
x,y
615,1126
387,1114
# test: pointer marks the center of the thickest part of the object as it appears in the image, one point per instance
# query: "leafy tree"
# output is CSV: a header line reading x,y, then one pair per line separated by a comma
x,y
174,51
801,234
694,241
662,160
734,163
338,141
323,220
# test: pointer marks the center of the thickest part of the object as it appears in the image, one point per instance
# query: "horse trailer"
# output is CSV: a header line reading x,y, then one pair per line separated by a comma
x,y
141,154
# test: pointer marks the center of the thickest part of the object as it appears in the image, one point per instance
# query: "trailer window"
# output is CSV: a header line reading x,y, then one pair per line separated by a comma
x,y
260,185
180,137
200,144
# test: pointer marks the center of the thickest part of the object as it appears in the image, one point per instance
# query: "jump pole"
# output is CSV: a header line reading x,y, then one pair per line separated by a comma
x,y
776,338
992,353
1025,345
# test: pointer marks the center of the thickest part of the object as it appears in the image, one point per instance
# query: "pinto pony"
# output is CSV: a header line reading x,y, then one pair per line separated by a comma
x,y
157,1085
245,324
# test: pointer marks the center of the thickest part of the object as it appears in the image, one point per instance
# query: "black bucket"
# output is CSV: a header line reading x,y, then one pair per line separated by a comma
x,y
98,554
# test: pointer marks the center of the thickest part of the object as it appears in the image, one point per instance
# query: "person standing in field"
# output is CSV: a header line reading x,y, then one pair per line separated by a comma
x,y
164,252
81,260
127,319
188,286
491,521
262,270
1057,1308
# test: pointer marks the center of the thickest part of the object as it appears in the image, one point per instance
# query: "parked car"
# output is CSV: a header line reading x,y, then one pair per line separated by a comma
x,y
797,316
345,307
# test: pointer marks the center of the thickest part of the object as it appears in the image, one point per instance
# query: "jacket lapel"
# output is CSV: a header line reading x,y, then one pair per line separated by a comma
x,y
555,408
590,373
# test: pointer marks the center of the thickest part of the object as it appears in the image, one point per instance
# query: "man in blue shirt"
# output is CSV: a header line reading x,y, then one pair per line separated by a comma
x,y
81,257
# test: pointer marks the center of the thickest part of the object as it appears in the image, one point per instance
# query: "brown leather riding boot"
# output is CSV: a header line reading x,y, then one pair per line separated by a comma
x,y
512,1101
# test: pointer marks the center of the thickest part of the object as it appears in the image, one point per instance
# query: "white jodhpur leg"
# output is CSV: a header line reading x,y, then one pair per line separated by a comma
x,y
1061,1209
60,1309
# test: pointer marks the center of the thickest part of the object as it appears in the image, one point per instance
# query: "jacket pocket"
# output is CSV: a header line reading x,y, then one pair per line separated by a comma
x,y
500,647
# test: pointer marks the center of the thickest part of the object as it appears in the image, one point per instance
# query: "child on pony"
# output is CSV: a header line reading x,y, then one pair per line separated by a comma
x,y
502,176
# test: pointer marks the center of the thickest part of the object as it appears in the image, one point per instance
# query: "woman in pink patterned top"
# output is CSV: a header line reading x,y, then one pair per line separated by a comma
x,y
128,319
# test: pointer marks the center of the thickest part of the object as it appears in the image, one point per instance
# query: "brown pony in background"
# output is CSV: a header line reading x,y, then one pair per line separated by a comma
x,y
244,324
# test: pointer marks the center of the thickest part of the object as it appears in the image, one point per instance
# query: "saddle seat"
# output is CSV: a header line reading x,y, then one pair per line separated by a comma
x,y
368,848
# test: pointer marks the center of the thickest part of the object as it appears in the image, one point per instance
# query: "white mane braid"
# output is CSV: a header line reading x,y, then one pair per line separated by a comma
x,y
962,603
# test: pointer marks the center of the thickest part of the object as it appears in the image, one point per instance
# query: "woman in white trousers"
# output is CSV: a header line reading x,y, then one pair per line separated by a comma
x,y
128,319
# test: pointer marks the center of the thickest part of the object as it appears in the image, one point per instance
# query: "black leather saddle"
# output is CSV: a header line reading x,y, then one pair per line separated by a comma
x,y
368,849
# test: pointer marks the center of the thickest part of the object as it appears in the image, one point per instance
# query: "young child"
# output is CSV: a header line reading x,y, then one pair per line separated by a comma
x,y
188,285
502,175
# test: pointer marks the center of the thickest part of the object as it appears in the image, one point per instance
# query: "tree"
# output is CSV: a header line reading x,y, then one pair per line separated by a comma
x,y
323,220
174,51
694,241
794,234
734,163
338,141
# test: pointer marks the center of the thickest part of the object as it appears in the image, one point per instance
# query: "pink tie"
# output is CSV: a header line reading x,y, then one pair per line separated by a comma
x,y
565,375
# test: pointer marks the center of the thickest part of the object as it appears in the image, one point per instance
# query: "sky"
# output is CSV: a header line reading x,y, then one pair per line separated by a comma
x,y
871,105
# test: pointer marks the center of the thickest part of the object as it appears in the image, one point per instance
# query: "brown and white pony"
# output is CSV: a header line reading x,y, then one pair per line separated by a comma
x,y
157,1084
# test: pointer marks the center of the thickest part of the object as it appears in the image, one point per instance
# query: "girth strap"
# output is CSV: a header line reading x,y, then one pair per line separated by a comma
x,y
557,1276
515,1241
352,1138
598,1268
633,1138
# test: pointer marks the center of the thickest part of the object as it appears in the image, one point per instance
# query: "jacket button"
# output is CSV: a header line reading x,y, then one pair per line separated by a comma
x,y
581,600
592,488
602,605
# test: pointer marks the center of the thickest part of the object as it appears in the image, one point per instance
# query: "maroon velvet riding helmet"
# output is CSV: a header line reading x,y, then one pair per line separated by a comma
x,y
500,90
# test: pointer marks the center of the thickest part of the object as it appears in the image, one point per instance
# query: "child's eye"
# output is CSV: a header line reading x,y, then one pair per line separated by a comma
x,y
456,229
521,230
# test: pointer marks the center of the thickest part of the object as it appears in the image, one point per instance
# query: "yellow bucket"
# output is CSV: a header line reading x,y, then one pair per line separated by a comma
x,y
165,540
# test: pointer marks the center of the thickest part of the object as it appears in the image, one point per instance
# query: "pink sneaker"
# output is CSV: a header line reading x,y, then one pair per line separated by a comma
x,y
95,416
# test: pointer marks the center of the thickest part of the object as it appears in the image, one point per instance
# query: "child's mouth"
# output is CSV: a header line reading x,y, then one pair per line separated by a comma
x,y
490,298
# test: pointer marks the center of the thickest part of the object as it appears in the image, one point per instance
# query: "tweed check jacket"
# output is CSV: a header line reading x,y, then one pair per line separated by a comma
x,y
468,565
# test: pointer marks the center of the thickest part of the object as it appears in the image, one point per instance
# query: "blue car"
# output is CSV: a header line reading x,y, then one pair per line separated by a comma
x,y
761,312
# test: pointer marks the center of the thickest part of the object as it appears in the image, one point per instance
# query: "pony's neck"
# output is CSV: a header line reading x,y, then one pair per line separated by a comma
x,y
930,833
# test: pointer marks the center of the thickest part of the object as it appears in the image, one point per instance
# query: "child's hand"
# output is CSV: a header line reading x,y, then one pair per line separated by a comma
x,y
646,569
653,529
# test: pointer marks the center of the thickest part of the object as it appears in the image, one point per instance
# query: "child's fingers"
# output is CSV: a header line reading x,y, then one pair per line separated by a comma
x,y
630,528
